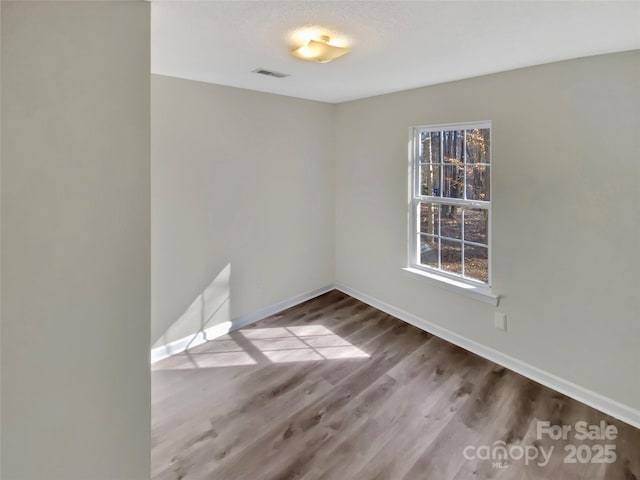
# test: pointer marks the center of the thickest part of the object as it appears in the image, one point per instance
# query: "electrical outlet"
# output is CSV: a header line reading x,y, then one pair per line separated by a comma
x,y
501,321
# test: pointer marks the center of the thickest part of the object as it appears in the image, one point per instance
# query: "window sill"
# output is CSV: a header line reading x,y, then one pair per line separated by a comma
x,y
482,294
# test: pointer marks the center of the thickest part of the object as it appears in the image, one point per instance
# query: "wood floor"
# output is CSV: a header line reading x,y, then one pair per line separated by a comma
x,y
335,389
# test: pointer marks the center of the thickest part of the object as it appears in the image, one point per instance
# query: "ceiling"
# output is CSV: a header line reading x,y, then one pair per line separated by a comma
x,y
396,45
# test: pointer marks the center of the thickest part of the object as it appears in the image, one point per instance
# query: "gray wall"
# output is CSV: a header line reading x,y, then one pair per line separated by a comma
x,y
566,213
75,240
242,203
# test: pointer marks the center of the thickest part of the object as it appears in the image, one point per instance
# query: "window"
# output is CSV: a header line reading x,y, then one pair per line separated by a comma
x,y
451,201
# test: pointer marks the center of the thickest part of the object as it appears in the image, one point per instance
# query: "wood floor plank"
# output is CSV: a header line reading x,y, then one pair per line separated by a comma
x,y
333,389
316,425
415,420
230,428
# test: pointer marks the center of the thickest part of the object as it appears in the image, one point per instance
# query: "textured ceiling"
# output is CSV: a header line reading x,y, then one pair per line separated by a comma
x,y
396,45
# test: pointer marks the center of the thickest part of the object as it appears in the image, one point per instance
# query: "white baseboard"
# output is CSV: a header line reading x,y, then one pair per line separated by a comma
x,y
606,405
179,346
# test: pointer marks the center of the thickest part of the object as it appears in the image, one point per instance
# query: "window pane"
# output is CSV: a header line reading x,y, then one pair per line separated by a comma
x,y
429,218
478,147
424,157
453,146
430,180
476,264
476,225
430,147
429,251
451,221
451,256
478,183
434,147
453,181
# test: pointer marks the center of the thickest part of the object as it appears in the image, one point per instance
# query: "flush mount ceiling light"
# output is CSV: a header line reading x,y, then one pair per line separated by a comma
x,y
320,50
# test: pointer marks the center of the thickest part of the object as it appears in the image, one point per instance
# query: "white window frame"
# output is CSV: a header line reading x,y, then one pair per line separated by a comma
x,y
449,280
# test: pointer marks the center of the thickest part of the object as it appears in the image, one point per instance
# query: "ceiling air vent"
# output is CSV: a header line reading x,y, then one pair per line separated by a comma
x,y
270,73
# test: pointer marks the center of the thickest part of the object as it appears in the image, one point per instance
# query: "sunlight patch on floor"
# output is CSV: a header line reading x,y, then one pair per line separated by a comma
x,y
253,346
301,343
304,343
213,360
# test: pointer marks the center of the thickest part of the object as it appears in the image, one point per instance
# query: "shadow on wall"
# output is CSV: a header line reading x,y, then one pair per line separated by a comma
x,y
258,346
208,316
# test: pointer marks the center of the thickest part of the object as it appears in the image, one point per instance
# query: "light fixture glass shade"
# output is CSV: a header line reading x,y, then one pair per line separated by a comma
x,y
319,51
